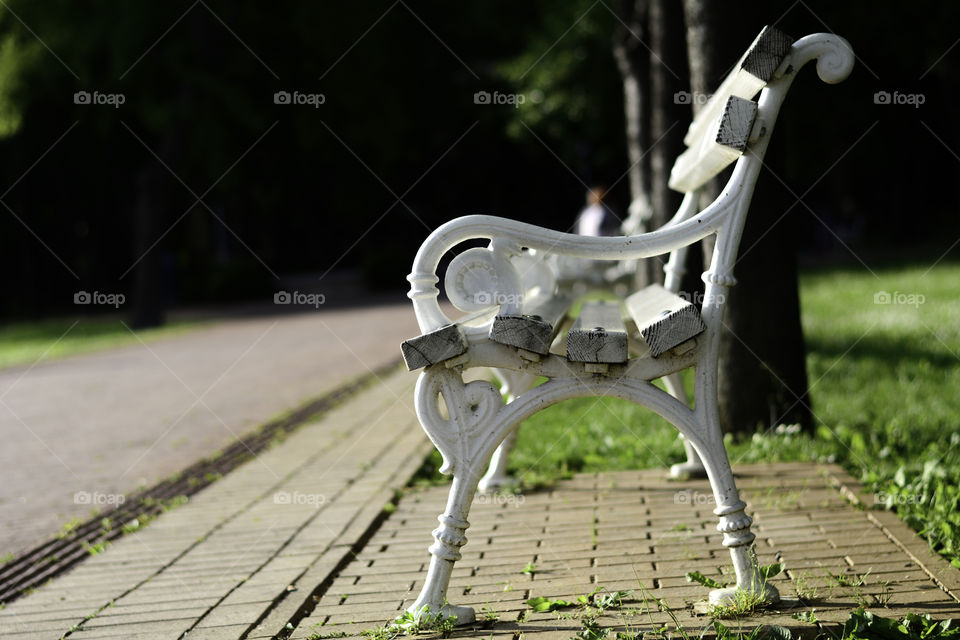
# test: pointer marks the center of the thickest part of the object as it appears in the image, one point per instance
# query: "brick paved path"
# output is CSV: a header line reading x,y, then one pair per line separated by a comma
x,y
252,545
312,553
617,529
107,422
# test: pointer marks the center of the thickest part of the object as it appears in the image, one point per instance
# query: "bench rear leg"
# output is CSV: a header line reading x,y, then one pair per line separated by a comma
x,y
497,476
513,383
693,467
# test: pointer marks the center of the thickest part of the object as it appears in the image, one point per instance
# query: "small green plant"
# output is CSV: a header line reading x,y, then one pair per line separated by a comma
x,y
68,527
611,600
587,598
7,557
864,625
743,604
412,623
529,569
886,594
806,616
710,583
490,616
810,590
541,605
852,580
770,571
761,632
592,631
95,549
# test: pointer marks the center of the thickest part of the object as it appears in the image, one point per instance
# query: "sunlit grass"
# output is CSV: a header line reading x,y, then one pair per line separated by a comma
x,y
25,343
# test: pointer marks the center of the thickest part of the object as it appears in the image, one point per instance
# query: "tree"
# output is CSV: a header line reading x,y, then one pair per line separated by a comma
x,y
762,369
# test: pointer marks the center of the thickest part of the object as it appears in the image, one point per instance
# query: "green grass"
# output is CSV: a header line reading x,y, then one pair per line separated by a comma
x,y
884,387
30,342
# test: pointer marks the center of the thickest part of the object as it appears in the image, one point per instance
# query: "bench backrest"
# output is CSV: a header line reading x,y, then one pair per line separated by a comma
x,y
721,130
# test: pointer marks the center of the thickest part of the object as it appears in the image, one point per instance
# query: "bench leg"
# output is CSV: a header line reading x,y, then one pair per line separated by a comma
x,y
513,383
693,467
445,551
465,434
735,527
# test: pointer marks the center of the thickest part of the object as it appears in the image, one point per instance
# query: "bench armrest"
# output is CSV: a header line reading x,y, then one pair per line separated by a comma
x,y
487,277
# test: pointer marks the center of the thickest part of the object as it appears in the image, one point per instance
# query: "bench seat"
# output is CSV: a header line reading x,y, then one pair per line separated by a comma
x,y
663,319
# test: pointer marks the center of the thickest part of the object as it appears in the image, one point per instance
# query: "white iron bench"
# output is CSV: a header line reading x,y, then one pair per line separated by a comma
x,y
516,296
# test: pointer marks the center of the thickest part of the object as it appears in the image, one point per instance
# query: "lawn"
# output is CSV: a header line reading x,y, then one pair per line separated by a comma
x,y
884,385
25,343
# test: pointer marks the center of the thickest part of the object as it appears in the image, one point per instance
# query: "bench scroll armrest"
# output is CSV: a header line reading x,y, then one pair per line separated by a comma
x,y
486,277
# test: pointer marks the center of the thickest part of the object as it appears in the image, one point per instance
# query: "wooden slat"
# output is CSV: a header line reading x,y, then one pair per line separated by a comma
x,y
664,319
430,348
535,330
726,142
751,73
598,335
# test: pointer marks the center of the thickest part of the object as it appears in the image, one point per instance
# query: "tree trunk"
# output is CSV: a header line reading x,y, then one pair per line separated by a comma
x,y
631,57
762,368
668,76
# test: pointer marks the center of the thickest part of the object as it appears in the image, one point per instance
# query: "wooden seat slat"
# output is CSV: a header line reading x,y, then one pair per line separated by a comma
x,y
664,319
598,335
536,328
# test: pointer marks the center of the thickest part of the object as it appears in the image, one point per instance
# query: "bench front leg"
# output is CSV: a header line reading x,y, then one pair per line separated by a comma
x,y
462,434
444,552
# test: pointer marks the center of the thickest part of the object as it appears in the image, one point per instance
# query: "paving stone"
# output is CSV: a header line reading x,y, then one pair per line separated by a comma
x,y
573,554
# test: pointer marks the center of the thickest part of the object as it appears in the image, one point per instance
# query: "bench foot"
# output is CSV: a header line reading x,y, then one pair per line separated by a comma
x,y
445,552
732,596
735,526
750,583
464,615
